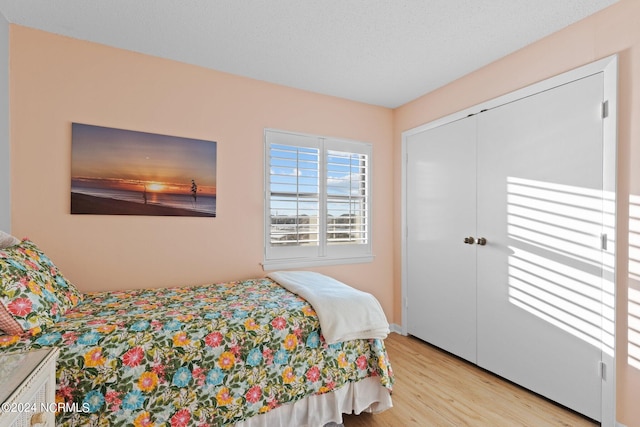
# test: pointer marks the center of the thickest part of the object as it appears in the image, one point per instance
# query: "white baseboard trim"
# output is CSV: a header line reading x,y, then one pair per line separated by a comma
x,y
398,330
620,424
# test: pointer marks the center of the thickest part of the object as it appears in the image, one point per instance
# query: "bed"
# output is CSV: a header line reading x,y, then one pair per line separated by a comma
x,y
246,353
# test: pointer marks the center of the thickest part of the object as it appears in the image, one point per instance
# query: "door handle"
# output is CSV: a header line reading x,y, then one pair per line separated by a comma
x,y
469,240
482,241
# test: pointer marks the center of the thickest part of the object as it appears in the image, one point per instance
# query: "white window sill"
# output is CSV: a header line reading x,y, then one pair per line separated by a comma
x,y
313,262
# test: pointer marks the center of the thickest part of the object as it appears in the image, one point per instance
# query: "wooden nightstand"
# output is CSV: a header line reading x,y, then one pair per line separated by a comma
x,y
28,388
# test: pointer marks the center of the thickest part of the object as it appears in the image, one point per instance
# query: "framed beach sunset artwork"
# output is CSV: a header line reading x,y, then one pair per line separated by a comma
x,y
124,172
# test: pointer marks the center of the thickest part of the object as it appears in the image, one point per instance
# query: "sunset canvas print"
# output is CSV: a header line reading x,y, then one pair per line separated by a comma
x,y
123,172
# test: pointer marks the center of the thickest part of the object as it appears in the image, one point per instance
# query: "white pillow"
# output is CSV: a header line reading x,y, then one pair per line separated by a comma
x,y
7,240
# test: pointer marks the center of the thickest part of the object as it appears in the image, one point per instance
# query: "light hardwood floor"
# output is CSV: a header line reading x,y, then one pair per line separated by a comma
x,y
434,388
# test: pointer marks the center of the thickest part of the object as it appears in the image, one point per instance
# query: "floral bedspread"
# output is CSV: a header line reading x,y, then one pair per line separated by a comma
x,y
195,356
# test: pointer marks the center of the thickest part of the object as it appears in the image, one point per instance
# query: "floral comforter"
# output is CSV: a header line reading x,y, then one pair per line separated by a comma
x,y
195,356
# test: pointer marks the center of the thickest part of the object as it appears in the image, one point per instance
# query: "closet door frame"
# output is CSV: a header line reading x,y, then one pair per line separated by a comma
x,y
609,68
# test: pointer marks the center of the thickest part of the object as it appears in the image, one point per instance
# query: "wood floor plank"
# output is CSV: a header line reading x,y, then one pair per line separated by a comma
x,y
434,388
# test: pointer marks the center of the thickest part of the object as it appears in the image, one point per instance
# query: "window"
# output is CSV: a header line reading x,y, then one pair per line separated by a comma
x,y
317,200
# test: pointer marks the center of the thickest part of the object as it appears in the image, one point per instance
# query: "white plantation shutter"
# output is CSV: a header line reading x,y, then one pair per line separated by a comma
x,y
347,193
317,200
294,195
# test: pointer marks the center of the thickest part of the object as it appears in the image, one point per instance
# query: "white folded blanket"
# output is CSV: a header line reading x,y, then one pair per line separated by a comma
x,y
345,313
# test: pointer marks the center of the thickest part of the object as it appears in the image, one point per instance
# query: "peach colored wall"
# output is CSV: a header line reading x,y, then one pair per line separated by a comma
x,y
57,80
5,166
613,30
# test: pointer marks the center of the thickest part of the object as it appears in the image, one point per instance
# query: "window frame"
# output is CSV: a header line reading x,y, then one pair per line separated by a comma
x,y
295,256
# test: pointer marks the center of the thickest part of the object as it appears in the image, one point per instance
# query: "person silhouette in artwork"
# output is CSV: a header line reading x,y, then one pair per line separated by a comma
x,y
144,194
194,191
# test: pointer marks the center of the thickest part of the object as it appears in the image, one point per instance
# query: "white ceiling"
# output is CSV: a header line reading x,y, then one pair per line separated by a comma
x,y
382,52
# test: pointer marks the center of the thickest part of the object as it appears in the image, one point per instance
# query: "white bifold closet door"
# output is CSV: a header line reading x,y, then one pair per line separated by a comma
x,y
540,207
527,177
441,210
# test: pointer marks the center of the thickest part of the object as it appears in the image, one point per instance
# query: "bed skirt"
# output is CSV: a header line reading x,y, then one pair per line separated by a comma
x,y
366,395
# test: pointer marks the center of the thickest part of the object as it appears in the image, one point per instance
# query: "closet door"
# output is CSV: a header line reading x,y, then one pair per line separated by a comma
x,y
441,213
539,274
